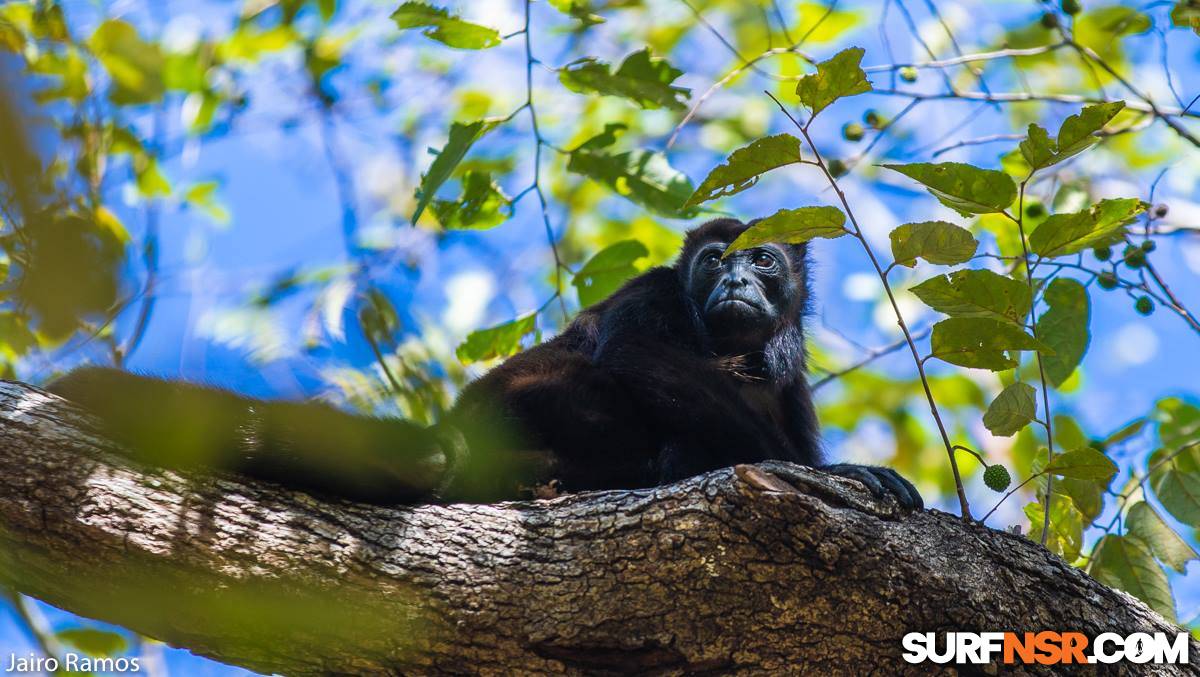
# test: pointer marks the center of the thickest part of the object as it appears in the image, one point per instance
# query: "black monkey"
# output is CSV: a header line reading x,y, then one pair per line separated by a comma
x,y
683,370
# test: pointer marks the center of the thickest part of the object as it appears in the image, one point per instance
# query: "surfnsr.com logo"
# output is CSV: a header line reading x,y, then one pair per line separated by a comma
x,y
1044,648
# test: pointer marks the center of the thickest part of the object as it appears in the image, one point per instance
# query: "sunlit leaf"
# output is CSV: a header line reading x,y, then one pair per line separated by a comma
x,y
1103,224
1146,525
94,642
1127,564
964,188
836,78
608,270
937,242
1065,536
792,226
501,340
1186,14
462,137
641,77
1012,410
1083,464
444,27
1064,327
481,205
977,293
1102,27
822,23
980,342
136,66
745,165
643,177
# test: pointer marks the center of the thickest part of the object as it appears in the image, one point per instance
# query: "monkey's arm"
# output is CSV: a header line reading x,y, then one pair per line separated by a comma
x,y
308,446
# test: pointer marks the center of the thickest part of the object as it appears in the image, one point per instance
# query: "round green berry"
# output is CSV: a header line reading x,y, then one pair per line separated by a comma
x,y
1107,280
1035,209
1050,20
1134,257
908,74
1143,305
1071,7
837,168
852,131
872,118
1149,246
997,477
1161,210
1103,253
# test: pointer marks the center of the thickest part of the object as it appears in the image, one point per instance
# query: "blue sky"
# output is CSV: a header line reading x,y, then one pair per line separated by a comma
x,y
281,194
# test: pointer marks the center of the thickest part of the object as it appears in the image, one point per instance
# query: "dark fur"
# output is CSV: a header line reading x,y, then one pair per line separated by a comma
x,y
652,385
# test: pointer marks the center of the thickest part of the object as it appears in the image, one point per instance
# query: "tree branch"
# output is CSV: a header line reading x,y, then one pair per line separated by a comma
x,y
756,569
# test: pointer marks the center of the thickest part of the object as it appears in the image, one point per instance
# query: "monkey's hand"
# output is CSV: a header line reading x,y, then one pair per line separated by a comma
x,y
880,481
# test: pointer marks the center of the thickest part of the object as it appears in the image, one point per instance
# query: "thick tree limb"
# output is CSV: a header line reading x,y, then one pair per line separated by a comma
x,y
735,571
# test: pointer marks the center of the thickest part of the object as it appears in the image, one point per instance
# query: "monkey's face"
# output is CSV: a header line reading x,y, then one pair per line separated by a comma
x,y
747,296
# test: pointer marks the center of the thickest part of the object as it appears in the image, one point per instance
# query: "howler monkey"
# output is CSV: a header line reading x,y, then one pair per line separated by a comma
x,y
683,370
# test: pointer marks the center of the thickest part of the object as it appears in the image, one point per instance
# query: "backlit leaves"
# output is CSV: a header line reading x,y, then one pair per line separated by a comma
x,y
1127,564
1083,464
641,77
745,165
792,226
976,293
1076,135
643,177
1064,327
444,27
980,343
1186,14
608,270
462,137
501,340
836,78
1102,224
481,205
1065,537
1012,410
1175,467
1146,525
134,65
964,188
937,242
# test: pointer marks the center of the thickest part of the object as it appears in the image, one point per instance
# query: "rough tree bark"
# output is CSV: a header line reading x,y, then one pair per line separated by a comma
x,y
733,572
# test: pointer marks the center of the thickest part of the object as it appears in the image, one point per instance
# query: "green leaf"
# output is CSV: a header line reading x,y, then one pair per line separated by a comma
x,y
792,226
838,77
445,27
608,270
1065,537
964,188
481,205
1083,464
203,196
1186,14
1102,224
1088,496
1126,564
462,137
501,340
136,66
977,293
1146,525
937,242
641,77
605,138
1175,467
1012,410
1126,432
1064,327
93,641
1076,135
643,177
821,23
745,165
980,342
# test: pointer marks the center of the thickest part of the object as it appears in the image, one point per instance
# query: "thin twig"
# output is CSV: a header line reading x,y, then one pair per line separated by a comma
x,y
870,357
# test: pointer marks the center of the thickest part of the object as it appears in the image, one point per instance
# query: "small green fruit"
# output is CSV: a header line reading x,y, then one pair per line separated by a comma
x,y
1102,253
1071,7
1143,305
837,168
1134,257
872,118
1050,20
1160,211
908,74
1149,246
852,131
996,477
1035,210
1107,280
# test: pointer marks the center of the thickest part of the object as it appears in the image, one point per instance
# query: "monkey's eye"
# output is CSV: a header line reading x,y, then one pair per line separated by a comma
x,y
711,260
763,260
